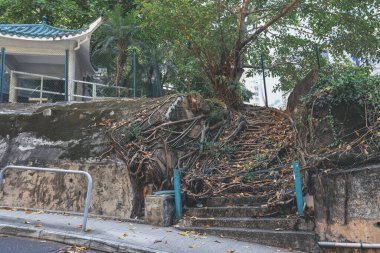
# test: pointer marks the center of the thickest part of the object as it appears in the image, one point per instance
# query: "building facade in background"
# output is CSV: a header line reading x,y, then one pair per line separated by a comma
x,y
255,84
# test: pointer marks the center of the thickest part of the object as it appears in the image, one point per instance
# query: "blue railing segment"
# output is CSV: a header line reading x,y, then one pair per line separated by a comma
x,y
298,186
177,194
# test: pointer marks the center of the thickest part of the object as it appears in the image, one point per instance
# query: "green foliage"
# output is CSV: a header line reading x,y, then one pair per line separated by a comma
x,y
209,32
66,13
332,124
247,94
204,45
347,86
116,36
351,85
217,111
134,133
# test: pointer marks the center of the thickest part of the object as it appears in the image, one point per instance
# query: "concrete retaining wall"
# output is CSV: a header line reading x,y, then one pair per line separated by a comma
x,y
112,193
347,205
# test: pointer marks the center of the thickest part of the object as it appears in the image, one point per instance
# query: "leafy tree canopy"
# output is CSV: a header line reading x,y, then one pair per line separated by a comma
x,y
228,36
67,13
206,45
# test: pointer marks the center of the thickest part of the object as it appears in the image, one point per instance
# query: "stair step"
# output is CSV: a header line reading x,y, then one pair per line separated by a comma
x,y
251,223
237,211
296,240
235,201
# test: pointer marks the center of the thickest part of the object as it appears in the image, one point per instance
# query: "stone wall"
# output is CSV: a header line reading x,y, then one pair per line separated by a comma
x,y
112,193
347,205
70,136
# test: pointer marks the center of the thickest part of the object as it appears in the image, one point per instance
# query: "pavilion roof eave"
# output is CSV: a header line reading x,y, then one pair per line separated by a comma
x,y
76,37
88,68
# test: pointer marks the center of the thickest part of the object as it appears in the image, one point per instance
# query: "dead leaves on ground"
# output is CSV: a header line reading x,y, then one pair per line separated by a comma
x,y
193,234
72,249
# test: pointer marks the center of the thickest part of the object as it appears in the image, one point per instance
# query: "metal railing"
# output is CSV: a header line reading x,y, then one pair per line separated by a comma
x,y
93,91
297,185
57,170
34,88
30,87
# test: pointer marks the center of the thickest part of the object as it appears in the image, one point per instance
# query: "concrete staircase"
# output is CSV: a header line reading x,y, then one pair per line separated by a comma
x,y
248,219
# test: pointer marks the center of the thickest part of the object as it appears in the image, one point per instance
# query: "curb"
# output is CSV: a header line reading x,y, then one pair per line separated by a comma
x,y
74,239
90,215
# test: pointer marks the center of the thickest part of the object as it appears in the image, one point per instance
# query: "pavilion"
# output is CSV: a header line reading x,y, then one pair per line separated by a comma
x,y
44,51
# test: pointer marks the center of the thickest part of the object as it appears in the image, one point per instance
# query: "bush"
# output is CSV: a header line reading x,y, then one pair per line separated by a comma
x,y
351,85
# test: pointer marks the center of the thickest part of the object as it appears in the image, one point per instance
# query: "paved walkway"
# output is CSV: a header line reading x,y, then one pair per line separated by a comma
x,y
116,235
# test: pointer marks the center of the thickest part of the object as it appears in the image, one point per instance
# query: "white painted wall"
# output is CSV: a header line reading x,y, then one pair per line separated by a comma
x,y
275,99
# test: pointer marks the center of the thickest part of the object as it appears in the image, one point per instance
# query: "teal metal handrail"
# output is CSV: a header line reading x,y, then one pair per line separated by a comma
x,y
297,184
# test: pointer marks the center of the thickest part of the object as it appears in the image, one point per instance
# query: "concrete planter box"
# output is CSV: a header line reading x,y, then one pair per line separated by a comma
x,y
159,210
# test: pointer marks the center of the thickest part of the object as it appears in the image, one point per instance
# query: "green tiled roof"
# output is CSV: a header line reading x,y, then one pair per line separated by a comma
x,y
42,30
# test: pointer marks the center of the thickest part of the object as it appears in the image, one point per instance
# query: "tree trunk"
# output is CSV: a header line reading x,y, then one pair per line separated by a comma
x,y
225,74
225,77
121,59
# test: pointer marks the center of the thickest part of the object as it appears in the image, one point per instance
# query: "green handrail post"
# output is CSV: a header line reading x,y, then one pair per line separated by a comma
x,y
298,186
177,194
2,71
67,75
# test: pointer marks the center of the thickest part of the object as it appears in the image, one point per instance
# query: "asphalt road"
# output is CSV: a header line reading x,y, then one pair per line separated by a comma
x,y
25,245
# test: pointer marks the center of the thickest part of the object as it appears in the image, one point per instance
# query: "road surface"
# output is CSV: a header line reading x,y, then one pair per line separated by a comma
x,y
25,245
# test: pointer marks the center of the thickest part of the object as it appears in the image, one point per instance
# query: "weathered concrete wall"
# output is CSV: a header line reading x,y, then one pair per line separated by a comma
x,y
69,136
112,192
73,132
347,205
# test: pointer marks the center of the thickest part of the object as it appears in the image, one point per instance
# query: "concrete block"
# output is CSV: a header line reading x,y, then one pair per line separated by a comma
x,y
159,210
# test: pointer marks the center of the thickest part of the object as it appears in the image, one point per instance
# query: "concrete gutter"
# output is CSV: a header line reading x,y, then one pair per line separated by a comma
x,y
74,239
350,245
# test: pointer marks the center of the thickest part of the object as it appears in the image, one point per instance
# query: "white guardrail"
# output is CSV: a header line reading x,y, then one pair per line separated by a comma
x,y
78,90
57,170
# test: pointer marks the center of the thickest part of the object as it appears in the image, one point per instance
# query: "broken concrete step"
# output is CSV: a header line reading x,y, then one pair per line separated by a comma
x,y
236,211
236,201
296,240
252,223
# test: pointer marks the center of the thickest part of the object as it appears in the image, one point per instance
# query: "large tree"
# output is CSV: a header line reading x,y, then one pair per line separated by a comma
x,y
226,36
115,37
208,43
66,13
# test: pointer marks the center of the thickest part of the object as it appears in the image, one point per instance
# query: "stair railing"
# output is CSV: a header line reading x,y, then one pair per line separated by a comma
x,y
297,185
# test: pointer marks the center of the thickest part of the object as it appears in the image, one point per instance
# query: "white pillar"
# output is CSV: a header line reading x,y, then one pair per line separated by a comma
x,y
71,73
12,88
